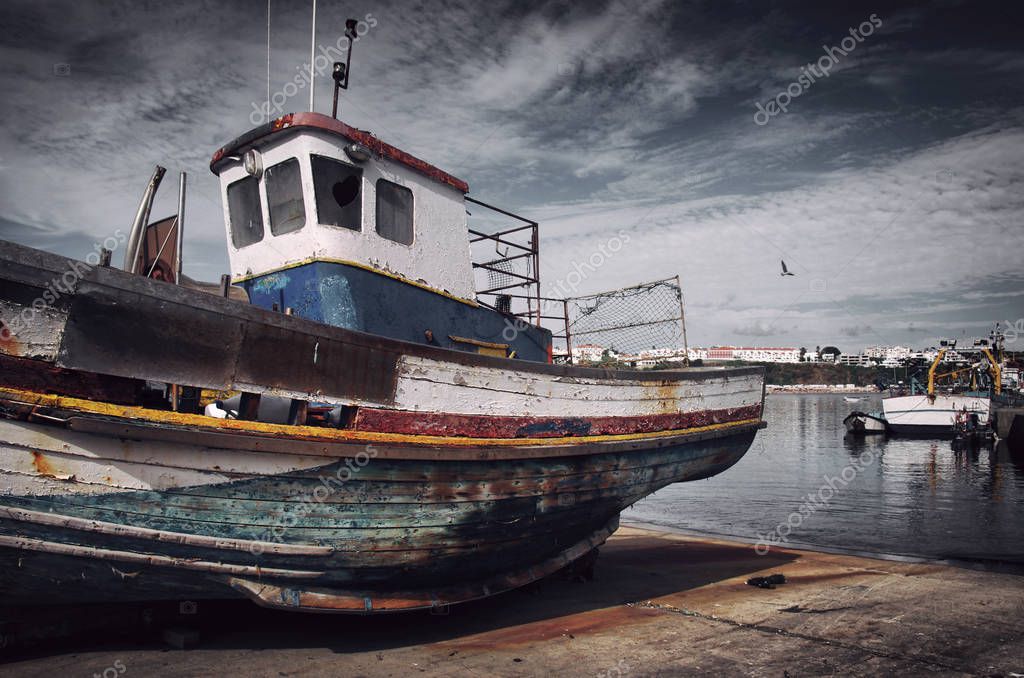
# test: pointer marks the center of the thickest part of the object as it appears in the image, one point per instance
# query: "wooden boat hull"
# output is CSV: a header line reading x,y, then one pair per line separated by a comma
x,y
355,534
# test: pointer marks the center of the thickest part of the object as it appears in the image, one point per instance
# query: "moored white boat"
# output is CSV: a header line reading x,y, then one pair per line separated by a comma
x,y
966,390
931,415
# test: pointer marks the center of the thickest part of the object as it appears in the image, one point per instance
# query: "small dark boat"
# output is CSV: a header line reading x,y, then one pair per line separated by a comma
x,y
864,423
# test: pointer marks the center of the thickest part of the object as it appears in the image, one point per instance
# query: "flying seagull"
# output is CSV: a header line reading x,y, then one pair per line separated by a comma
x,y
785,271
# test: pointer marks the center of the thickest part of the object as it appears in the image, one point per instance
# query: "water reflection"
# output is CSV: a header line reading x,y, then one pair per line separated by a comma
x,y
914,497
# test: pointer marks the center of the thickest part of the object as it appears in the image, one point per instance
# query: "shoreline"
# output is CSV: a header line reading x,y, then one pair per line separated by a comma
x,y
659,602
820,388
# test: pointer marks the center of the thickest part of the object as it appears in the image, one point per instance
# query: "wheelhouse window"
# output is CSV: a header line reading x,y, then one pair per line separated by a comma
x,y
284,197
244,212
337,187
394,212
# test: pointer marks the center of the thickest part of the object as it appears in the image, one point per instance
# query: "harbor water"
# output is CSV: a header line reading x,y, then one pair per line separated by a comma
x,y
805,483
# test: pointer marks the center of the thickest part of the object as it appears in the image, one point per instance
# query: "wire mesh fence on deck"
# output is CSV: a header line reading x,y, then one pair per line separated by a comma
x,y
632,320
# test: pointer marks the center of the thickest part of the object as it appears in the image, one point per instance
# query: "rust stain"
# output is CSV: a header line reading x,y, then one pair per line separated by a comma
x,y
43,465
487,426
322,122
668,401
8,344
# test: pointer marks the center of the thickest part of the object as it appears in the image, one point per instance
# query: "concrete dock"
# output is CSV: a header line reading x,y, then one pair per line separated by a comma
x,y
659,604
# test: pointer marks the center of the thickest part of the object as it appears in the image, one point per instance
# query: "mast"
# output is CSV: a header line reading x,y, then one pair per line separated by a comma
x,y
180,229
312,59
268,60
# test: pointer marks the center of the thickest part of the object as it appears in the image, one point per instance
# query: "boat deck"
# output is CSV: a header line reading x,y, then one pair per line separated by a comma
x,y
660,603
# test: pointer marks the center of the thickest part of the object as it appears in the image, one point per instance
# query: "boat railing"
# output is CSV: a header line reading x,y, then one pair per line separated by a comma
x,y
511,268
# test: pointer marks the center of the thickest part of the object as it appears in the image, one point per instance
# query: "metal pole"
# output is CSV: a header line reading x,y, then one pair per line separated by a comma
x,y
181,229
138,232
312,58
536,266
682,319
568,341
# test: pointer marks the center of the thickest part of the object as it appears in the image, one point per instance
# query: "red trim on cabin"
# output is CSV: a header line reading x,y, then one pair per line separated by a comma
x,y
484,426
328,124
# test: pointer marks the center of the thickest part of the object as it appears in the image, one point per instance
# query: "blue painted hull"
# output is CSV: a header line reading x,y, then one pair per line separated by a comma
x,y
438,529
353,298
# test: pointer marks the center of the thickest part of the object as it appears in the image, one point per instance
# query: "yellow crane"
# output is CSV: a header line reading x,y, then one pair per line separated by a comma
x,y
993,369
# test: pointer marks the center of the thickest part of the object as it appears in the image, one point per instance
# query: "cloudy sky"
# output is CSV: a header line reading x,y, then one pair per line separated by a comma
x,y
891,186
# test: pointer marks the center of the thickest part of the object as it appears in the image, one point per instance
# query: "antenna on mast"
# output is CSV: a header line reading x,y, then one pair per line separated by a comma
x,y
268,60
312,59
342,70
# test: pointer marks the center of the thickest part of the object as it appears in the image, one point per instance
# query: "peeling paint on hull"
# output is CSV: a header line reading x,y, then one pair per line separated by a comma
x,y
429,530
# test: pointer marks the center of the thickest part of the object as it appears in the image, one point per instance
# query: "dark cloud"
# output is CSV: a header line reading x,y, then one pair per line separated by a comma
x,y
892,187
856,330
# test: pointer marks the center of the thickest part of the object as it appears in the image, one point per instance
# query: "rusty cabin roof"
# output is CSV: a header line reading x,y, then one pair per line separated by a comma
x,y
318,121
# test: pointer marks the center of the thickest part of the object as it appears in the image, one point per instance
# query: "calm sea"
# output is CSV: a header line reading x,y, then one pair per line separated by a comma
x,y
804,480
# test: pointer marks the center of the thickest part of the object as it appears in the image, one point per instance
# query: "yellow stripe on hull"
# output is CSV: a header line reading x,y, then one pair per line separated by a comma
x,y
330,434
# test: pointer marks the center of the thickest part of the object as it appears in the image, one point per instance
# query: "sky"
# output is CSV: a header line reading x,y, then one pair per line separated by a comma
x,y
875,148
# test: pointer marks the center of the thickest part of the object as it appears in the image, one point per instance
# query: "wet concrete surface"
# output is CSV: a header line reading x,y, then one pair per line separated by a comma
x,y
659,604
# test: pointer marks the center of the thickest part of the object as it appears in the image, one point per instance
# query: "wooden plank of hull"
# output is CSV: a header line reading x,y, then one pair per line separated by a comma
x,y
468,389
220,464
33,375
32,577
327,600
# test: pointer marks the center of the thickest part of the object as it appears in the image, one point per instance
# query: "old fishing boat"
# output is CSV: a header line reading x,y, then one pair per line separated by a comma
x,y
964,387
424,453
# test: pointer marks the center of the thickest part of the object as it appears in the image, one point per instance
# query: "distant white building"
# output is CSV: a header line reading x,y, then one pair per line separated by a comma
x,y
758,354
856,359
660,353
721,353
587,353
766,354
883,353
